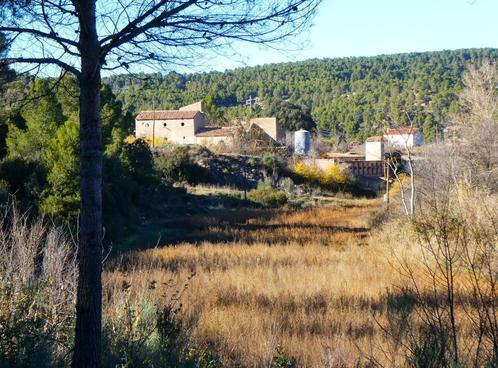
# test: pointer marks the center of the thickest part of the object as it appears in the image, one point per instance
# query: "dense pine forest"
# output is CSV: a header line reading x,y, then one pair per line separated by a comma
x,y
351,97
348,98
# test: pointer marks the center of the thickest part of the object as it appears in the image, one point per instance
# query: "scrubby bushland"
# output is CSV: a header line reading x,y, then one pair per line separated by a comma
x,y
37,288
267,196
41,163
38,277
195,164
176,165
452,281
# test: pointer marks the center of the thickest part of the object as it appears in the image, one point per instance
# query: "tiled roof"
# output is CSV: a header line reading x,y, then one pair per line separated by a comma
x,y
401,131
214,132
166,115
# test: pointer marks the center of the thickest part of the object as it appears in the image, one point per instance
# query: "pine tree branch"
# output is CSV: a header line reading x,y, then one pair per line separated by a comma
x,y
35,32
53,61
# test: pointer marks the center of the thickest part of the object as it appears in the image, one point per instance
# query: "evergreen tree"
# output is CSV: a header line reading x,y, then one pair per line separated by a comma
x,y
293,116
40,120
430,129
62,161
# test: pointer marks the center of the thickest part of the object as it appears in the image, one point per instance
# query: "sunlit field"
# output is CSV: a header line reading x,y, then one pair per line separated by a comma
x,y
306,280
314,282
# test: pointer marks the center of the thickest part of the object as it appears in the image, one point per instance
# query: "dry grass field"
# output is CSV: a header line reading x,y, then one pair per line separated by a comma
x,y
303,279
312,281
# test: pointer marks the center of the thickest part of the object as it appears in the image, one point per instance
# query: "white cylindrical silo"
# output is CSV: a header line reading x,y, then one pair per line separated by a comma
x,y
302,142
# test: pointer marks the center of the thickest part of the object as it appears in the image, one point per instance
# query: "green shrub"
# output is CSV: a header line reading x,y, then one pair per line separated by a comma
x,y
287,185
301,202
138,160
201,358
175,165
280,360
270,163
130,337
142,329
267,196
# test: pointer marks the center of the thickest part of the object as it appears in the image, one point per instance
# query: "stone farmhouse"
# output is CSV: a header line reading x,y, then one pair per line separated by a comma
x,y
404,137
187,125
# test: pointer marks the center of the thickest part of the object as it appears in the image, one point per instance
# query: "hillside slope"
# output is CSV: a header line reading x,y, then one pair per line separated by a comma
x,y
349,97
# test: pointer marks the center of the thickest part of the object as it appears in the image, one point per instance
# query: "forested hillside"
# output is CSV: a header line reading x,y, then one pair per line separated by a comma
x,y
350,97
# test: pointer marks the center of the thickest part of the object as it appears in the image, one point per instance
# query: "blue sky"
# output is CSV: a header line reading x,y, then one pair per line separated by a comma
x,y
371,27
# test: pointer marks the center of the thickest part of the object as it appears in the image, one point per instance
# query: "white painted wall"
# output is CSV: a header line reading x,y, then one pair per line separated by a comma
x,y
374,151
405,140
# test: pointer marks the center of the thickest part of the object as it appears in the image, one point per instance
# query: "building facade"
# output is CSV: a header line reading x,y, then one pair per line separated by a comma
x,y
374,149
271,127
404,137
187,125
173,126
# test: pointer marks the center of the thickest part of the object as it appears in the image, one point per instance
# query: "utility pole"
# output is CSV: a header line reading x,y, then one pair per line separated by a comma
x,y
386,178
153,122
244,172
437,132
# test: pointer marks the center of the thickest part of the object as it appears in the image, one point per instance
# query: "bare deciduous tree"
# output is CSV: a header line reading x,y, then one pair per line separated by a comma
x,y
453,284
477,125
85,37
401,160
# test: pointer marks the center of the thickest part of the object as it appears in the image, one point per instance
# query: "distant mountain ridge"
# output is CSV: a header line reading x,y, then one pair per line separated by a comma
x,y
350,97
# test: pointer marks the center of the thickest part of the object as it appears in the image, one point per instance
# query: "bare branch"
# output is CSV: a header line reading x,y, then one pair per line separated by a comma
x,y
50,36
53,61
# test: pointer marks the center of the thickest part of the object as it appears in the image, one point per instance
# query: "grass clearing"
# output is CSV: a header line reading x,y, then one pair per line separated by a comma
x,y
304,279
314,281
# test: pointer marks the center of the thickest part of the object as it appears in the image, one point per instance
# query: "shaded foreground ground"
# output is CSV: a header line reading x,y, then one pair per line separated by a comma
x,y
302,279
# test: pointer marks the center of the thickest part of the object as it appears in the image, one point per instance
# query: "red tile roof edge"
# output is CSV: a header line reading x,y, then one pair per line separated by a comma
x,y
402,131
166,115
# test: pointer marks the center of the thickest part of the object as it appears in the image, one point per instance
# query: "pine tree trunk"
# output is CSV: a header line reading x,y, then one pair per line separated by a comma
x,y
88,340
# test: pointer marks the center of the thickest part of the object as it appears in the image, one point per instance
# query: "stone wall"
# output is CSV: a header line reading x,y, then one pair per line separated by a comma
x,y
366,168
196,106
214,141
270,127
181,131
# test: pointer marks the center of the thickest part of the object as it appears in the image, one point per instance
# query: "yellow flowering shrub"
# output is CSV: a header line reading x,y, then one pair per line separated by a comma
x,y
335,175
333,178
308,172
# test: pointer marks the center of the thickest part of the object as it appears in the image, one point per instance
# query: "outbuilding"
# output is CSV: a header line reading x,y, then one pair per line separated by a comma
x,y
404,137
